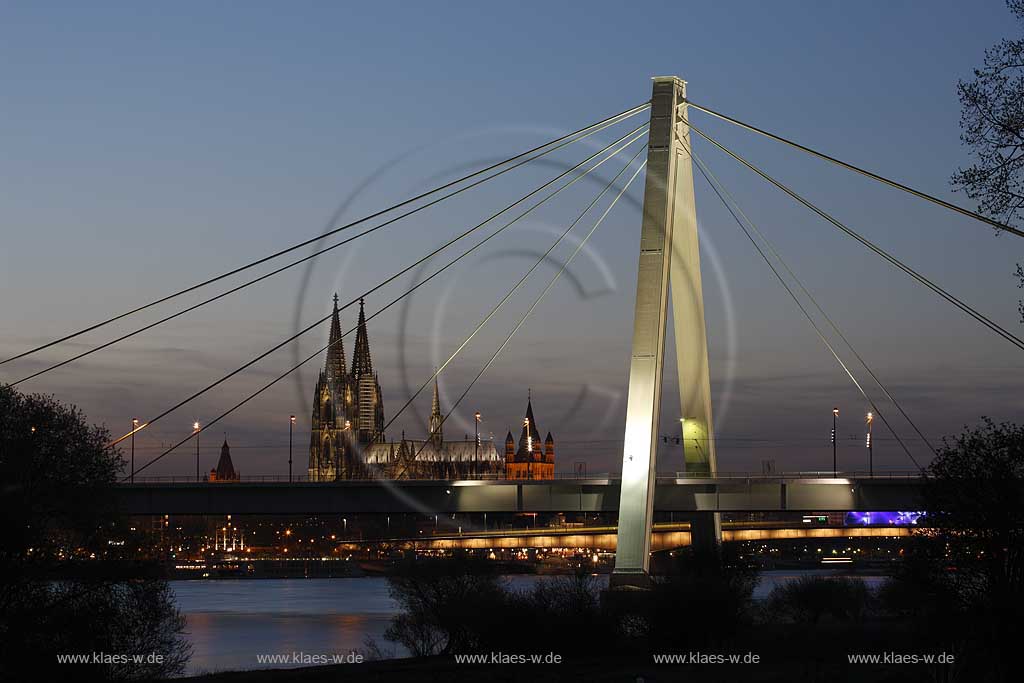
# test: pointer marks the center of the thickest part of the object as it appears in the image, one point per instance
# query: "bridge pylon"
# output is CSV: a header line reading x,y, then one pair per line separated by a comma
x,y
669,253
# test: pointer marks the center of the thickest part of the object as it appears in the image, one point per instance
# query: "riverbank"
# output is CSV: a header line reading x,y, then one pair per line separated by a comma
x,y
782,653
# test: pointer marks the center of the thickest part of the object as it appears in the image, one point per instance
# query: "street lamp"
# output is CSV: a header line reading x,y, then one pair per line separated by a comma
x,y
291,424
195,429
835,416
345,441
476,442
135,426
871,459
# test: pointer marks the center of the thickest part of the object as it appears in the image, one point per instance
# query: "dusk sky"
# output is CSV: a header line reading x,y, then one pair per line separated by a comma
x,y
146,147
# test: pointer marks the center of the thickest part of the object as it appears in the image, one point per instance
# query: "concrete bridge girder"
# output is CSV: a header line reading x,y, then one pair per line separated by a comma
x,y
432,497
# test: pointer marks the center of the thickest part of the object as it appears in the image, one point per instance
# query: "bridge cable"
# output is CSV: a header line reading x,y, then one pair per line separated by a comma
x,y
512,291
706,172
255,280
715,185
636,134
864,172
523,158
536,301
966,308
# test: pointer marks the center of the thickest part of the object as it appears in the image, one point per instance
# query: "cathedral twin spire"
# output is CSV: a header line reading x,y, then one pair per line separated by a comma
x,y
347,405
362,364
335,366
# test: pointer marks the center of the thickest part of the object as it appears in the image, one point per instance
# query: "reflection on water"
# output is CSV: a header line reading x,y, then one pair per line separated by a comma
x,y
285,596
230,622
227,641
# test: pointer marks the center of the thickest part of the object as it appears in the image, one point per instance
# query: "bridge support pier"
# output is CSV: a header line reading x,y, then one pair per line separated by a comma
x,y
668,247
706,532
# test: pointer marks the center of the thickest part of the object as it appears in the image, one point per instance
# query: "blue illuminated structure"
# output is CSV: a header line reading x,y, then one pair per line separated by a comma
x,y
905,518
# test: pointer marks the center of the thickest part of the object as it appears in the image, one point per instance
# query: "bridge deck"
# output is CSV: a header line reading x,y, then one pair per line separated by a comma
x,y
720,494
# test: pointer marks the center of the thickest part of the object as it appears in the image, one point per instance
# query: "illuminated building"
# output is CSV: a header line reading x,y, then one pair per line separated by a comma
x,y
347,408
348,441
530,460
225,469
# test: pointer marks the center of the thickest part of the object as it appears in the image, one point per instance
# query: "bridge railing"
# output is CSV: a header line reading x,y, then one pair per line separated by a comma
x,y
800,474
559,476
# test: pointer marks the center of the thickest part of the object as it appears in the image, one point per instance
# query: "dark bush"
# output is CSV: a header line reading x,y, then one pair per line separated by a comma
x,y
713,590
561,613
455,606
448,606
807,599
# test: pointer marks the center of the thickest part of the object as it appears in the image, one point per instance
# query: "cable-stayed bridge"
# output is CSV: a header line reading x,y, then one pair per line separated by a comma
x,y
668,263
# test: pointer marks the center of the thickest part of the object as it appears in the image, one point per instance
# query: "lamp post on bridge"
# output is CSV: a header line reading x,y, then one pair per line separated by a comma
x,y
346,442
476,443
291,425
135,426
195,428
835,444
870,418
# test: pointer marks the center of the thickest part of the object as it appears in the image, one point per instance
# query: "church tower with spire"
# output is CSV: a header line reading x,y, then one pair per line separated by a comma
x,y
436,435
347,407
532,459
369,410
327,443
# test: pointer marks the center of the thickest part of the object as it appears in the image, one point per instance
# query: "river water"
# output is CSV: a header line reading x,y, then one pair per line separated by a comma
x,y
231,622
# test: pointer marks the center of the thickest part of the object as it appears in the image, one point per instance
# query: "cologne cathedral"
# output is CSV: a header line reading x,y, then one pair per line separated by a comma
x,y
348,440
347,407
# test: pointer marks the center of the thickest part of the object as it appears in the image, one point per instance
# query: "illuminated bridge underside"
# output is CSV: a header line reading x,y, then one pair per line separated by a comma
x,y
429,497
660,540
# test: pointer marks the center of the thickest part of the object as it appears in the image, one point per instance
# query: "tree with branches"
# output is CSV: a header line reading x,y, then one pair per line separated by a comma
x,y
992,126
56,476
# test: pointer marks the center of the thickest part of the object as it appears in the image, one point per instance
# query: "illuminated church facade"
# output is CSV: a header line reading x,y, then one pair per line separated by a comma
x,y
530,459
347,406
347,439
